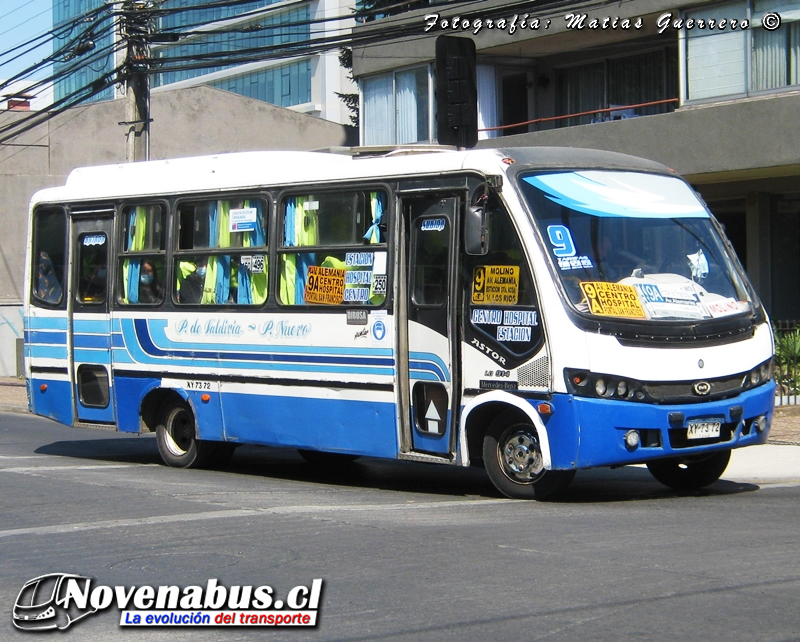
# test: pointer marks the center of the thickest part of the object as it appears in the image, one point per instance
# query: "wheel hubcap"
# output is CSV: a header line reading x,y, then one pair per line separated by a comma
x,y
521,457
180,432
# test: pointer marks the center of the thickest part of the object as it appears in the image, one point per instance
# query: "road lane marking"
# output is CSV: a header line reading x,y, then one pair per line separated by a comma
x,y
36,469
58,529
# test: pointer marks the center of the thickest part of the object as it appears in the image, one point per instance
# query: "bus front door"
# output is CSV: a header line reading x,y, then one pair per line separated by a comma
x,y
427,364
90,326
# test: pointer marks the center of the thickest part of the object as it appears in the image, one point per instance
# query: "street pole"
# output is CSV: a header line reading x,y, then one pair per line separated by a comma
x,y
135,30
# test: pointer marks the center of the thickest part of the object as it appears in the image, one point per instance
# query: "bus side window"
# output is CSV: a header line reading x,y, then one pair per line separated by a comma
x,y
343,269
142,267
49,238
211,277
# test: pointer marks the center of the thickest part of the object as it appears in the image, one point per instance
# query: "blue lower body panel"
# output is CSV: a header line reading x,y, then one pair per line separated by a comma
x,y
54,401
336,425
602,424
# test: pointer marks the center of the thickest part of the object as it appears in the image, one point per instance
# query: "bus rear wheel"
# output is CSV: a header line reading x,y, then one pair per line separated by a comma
x,y
690,472
176,437
513,460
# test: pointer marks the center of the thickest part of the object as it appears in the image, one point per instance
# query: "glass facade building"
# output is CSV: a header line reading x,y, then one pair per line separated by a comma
x,y
242,35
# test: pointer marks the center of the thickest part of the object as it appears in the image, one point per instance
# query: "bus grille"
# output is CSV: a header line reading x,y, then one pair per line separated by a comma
x,y
535,374
684,390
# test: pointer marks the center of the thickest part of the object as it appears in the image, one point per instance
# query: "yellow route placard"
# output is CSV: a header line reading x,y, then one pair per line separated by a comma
x,y
612,300
324,285
496,284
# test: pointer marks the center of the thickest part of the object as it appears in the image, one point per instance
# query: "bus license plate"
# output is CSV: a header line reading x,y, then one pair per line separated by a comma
x,y
703,429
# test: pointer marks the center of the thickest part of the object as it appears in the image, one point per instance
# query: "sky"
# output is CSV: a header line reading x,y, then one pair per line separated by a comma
x,y
21,21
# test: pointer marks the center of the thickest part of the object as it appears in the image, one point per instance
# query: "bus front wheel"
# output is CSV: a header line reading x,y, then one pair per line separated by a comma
x,y
513,460
691,472
176,437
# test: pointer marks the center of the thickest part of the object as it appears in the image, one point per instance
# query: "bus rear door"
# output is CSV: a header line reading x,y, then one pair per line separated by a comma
x,y
427,361
90,322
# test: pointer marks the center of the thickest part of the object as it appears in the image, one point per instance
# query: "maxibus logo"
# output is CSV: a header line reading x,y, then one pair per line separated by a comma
x,y
57,600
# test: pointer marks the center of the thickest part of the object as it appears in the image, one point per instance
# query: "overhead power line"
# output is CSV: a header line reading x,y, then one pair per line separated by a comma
x,y
143,20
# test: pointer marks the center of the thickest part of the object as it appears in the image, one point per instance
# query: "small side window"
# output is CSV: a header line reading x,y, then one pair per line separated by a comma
x,y
92,268
431,252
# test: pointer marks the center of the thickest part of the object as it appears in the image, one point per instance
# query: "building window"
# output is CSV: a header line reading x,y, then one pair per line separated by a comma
x,y
397,107
285,86
776,54
618,82
717,61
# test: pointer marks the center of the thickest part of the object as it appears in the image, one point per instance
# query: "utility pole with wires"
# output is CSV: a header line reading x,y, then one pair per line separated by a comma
x,y
135,29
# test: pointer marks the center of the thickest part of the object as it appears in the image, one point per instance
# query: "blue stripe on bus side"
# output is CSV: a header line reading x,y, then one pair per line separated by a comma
x,y
121,356
91,326
100,357
156,328
46,337
98,341
335,360
431,362
46,323
48,352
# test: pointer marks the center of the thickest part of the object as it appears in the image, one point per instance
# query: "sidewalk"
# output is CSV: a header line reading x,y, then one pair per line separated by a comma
x,y
785,428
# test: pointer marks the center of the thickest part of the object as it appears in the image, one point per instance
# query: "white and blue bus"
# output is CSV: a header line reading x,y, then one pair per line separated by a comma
x,y
531,310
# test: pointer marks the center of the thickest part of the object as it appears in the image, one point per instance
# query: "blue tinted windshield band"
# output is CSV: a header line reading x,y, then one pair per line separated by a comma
x,y
620,194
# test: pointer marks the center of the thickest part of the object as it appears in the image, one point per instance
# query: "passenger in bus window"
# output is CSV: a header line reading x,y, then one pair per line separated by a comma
x,y
150,288
191,287
48,286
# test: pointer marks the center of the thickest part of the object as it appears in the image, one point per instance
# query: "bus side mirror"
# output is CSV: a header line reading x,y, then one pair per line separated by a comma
x,y
476,233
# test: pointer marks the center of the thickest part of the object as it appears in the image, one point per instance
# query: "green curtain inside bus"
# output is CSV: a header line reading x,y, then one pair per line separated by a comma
x,y
300,228
373,234
253,285
137,227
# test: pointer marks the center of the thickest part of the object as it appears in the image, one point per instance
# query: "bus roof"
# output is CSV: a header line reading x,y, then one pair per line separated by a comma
x,y
223,172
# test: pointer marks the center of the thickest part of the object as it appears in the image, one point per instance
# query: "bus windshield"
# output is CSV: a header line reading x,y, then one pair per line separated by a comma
x,y
636,246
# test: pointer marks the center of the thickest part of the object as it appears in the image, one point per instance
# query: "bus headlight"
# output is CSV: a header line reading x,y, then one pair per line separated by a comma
x,y
758,375
600,387
587,384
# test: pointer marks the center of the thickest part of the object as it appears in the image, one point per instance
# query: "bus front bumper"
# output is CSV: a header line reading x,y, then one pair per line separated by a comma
x,y
619,432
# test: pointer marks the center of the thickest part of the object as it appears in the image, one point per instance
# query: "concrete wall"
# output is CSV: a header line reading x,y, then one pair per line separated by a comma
x,y
716,143
186,122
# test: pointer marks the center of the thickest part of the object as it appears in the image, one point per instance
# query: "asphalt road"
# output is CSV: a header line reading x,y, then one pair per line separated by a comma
x,y
406,551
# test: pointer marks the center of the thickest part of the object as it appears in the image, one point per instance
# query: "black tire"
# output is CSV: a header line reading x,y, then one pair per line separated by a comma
x,y
176,435
691,472
513,460
321,458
